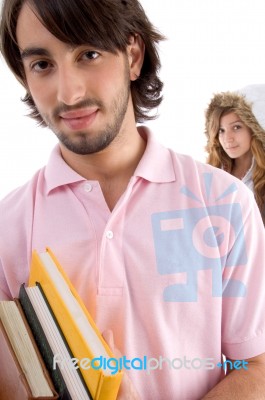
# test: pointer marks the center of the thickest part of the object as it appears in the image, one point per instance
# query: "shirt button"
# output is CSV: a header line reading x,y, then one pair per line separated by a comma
x,y
88,187
109,234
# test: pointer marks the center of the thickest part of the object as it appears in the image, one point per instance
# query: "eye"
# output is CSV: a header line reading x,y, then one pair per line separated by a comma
x,y
40,66
220,131
236,127
90,55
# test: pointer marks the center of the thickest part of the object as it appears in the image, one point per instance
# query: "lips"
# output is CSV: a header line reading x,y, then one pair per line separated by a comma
x,y
232,148
79,119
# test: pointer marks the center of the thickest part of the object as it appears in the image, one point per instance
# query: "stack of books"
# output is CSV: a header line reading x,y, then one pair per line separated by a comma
x,y
50,347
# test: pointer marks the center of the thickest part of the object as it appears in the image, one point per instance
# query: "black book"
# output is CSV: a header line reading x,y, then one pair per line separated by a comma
x,y
67,380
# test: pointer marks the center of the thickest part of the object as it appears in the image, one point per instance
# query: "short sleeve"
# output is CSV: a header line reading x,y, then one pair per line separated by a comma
x,y
243,308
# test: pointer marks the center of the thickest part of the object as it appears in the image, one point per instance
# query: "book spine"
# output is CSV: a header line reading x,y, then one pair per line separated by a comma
x,y
43,345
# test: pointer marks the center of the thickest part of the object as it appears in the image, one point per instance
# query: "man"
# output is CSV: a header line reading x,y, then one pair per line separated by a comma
x,y
167,254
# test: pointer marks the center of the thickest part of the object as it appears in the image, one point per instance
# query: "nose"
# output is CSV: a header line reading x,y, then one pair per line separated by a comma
x,y
70,85
228,136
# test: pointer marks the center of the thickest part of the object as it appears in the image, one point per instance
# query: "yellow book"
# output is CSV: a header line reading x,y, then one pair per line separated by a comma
x,y
80,331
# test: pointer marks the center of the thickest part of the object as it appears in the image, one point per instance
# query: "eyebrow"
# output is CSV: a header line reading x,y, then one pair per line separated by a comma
x,y
236,122
39,51
34,51
233,122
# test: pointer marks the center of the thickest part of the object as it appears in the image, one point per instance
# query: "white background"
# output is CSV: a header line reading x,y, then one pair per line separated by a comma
x,y
212,45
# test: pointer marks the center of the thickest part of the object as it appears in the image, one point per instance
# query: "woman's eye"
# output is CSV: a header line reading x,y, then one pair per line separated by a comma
x,y
236,127
220,131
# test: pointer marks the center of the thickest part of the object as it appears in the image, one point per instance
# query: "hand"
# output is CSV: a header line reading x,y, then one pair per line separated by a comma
x,y
127,391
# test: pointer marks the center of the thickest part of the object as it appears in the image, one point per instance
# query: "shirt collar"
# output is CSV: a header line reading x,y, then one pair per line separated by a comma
x,y
155,166
58,173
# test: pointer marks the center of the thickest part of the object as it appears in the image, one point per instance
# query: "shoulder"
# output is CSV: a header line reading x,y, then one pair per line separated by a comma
x,y
188,165
18,204
214,184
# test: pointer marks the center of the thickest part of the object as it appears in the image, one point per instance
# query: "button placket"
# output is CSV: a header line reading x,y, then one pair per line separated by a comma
x,y
111,273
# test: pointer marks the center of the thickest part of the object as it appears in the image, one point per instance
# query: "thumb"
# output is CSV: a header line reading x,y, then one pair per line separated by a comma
x,y
108,337
127,390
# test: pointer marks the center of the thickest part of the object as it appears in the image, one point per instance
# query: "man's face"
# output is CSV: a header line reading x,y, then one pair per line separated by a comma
x,y
82,93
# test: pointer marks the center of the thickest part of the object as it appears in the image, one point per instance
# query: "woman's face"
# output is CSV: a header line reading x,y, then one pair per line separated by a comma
x,y
234,136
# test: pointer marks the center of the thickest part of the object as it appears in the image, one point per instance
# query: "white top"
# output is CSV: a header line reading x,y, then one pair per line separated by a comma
x,y
247,179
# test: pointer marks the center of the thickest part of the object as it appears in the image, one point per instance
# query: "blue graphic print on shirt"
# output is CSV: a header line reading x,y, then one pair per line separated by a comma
x,y
200,238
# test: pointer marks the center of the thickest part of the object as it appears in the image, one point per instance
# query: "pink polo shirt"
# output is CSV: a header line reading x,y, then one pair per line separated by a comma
x,y
176,270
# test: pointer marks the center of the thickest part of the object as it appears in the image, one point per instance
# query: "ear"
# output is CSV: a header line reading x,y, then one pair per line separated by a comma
x,y
135,51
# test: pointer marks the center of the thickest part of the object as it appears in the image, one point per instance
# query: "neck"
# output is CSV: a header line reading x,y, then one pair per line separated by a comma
x,y
242,165
111,167
121,155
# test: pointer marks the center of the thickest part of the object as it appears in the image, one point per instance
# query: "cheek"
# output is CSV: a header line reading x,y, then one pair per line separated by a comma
x,y
247,141
42,95
249,146
112,78
220,140
250,140
110,82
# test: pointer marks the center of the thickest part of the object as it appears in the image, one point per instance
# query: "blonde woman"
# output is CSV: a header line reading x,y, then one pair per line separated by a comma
x,y
235,130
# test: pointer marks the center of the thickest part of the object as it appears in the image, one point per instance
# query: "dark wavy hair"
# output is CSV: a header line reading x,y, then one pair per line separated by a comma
x,y
105,24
